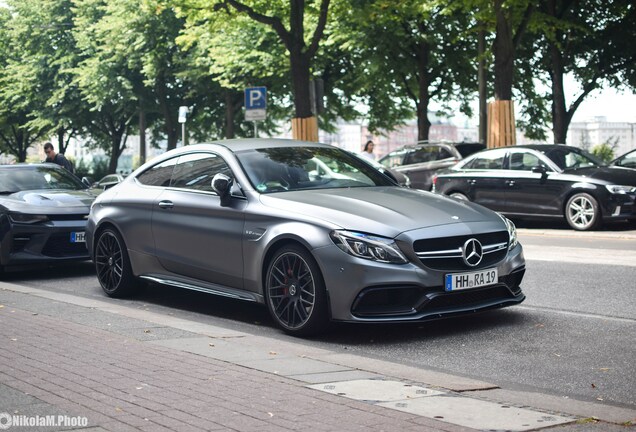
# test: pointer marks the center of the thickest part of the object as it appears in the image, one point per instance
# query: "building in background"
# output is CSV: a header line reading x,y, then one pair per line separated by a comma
x,y
599,130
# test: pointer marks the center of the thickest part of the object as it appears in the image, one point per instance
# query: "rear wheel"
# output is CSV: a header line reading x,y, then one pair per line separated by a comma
x,y
582,212
112,263
295,290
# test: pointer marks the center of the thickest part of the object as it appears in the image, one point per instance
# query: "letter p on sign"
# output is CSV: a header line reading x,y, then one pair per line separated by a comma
x,y
255,98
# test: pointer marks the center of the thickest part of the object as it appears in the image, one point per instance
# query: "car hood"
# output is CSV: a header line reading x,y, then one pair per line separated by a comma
x,y
42,200
386,211
612,175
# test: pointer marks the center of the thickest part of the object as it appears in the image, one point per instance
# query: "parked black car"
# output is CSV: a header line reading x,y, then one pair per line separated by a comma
x,y
421,160
43,212
543,181
628,160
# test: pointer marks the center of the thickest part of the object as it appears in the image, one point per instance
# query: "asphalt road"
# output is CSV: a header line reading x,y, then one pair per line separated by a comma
x,y
573,337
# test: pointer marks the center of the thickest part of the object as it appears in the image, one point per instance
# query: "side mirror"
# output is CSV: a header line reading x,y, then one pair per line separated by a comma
x,y
539,170
221,184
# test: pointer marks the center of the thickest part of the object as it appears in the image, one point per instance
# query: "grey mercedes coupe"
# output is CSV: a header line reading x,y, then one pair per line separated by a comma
x,y
307,229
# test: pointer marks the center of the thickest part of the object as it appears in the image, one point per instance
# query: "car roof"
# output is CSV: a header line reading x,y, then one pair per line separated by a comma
x,y
237,145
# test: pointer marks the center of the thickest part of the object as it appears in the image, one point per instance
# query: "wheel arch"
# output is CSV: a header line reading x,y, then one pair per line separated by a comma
x,y
280,243
588,188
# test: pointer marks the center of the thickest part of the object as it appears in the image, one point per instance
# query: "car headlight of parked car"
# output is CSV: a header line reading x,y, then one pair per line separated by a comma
x,y
512,231
618,189
367,246
27,218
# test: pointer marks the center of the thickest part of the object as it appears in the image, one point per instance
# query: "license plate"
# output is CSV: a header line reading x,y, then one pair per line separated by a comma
x,y
462,281
78,237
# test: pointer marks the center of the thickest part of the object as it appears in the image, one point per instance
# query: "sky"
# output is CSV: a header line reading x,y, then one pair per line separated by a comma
x,y
615,105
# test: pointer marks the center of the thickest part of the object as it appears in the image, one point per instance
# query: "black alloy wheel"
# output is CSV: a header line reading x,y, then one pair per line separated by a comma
x,y
113,265
295,290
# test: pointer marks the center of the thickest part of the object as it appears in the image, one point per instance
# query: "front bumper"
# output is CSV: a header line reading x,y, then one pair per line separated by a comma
x,y
365,291
50,242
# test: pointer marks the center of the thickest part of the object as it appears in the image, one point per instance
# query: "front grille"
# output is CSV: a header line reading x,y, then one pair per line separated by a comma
x,y
467,299
425,303
59,245
445,253
68,217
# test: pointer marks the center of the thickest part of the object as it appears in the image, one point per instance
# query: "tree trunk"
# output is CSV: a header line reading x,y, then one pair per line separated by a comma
x,y
560,120
504,54
423,123
229,114
61,148
483,93
142,134
299,63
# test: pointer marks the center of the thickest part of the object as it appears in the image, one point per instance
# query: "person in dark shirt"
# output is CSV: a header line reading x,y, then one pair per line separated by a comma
x,y
56,158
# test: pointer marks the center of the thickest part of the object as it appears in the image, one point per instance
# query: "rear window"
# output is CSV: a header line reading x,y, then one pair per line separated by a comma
x,y
466,149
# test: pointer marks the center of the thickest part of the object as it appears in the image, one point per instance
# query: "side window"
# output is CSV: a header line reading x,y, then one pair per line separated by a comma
x,y
158,175
522,161
195,171
419,155
444,153
487,160
394,159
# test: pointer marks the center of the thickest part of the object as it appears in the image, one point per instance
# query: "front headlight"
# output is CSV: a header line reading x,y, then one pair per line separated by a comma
x,y
512,231
367,246
618,189
27,218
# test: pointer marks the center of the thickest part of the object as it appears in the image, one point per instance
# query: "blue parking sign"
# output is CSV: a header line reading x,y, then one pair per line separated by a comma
x,y
255,98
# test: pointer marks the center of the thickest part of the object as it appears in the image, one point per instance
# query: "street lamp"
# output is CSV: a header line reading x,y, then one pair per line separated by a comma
x,y
183,114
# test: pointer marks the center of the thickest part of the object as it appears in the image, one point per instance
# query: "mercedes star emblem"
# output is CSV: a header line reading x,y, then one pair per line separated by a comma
x,y
472,252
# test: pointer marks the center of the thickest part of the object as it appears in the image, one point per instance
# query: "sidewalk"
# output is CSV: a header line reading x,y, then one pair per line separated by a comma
x,y
114,368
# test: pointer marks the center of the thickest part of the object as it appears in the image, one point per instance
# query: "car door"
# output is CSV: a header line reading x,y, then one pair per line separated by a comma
x,y
529,192
194,235
484,179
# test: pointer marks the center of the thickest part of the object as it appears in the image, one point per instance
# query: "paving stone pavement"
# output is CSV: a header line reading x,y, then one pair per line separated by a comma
x,y
69,363
50,366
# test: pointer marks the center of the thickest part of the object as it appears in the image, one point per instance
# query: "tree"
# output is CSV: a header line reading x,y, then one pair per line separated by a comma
x,y
409,54
592,40
17,129
300,16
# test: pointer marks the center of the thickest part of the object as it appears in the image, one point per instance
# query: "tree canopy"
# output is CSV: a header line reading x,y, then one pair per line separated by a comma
x,y
105,69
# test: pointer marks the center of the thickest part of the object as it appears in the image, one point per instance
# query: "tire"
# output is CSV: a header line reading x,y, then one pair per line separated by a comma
x,y
112,264
295,292
460,196
582,212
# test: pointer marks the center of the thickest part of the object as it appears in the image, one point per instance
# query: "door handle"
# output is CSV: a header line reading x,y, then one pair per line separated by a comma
x,y
472,181
510,182
166,204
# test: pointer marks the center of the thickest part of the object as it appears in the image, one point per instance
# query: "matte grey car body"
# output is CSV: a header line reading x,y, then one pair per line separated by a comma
x,y
251,219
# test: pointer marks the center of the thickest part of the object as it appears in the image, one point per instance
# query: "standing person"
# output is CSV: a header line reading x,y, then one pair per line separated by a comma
x,y
56,158
368,150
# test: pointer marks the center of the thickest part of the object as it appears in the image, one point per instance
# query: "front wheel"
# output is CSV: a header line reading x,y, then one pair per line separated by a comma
x,y
295,290
114,271
582,212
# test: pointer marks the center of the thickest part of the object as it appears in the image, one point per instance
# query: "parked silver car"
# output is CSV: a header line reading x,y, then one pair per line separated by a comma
x,y
255,220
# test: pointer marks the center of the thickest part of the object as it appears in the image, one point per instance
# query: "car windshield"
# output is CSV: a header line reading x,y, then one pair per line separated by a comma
x,y
571,158
16,179
297,168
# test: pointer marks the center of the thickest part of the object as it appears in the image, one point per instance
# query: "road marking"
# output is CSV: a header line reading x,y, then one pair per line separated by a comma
x,y
577,314
619,257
